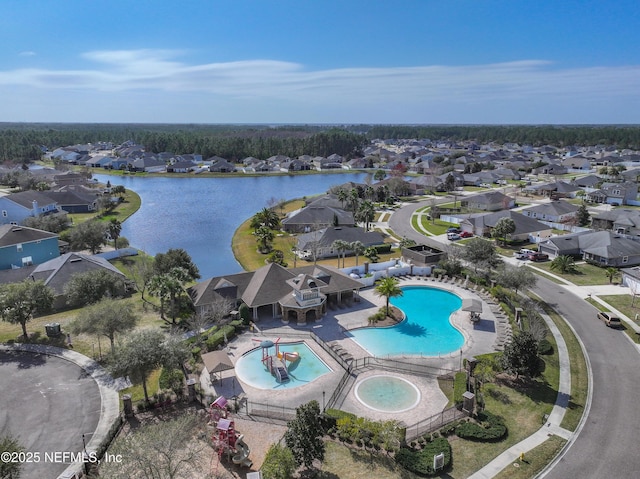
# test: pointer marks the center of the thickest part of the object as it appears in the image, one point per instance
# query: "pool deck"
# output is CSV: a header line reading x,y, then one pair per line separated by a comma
x,y
484,336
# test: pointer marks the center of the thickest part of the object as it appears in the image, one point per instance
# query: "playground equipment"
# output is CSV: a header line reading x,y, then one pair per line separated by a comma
x,y
226,440
276,363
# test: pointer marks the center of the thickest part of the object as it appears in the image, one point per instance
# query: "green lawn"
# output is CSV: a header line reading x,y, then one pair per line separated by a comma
x,y
586,274
626,304
435,227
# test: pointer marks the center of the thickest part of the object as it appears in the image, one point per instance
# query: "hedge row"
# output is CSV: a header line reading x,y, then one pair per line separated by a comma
x,y
490,428
421,462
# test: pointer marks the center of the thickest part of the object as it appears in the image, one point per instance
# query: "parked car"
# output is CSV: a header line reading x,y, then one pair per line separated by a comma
x,y
466,234
609,319
453,229
523,253
538,257
453,236
485,185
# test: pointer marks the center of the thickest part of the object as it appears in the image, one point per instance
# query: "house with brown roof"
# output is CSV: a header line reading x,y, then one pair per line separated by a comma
x,y
299,294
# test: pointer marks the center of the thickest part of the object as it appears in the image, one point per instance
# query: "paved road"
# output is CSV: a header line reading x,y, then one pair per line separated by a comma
x,y
607,445
48,403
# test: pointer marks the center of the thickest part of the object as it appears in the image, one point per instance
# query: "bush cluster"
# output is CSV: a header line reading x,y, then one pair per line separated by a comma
x,y
545,347
349,428
421,462
488,428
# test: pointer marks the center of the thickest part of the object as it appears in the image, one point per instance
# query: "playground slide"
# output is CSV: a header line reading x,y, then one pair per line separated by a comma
x,y
242,457
292,356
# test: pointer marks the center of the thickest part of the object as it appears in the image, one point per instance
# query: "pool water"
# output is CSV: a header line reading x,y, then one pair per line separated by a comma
x,y
251,371
426,330
387,394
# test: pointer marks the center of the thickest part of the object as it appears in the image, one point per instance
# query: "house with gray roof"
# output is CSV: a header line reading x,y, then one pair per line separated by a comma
x,y
527,229
555,211
615,194
57,272
317,215
621,221
297,294
17,207
602,247
22,246
489,201
320,243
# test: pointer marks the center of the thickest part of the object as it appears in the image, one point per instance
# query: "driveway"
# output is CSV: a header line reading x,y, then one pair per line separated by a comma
x,y
607,444
48,403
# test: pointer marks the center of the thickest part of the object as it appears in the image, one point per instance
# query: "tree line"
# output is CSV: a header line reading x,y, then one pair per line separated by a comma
x,y
21,144
624,136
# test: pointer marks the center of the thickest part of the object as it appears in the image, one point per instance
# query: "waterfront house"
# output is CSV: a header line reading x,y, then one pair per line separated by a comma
x,y
17,207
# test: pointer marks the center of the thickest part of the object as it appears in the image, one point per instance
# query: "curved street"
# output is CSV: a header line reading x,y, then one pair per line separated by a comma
x,y
605,445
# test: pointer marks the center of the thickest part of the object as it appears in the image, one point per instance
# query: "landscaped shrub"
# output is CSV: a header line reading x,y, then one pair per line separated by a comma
x,y
245,313
380,315
172,379
217,338
383,248
332,416
459,388
488,428
421,462
545,347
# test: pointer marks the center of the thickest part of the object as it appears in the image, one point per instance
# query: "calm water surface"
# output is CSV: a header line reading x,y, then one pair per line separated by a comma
x,y
200,215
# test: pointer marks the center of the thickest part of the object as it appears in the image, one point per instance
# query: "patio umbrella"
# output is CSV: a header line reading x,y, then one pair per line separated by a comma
x,y
473,305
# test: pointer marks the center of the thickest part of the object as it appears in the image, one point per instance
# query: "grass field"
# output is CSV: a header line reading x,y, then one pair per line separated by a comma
x,y
586,274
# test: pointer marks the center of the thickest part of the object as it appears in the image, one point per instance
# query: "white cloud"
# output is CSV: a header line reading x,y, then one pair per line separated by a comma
x,y
527,85
27,54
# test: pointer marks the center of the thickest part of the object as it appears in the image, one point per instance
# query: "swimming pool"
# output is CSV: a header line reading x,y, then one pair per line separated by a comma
x,y
251,371
426,330
387,393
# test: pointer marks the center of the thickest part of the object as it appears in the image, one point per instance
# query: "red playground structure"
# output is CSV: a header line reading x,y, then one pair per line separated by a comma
x,y
226,440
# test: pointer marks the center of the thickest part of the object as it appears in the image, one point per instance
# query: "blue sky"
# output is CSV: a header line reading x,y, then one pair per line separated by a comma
x,y
323,61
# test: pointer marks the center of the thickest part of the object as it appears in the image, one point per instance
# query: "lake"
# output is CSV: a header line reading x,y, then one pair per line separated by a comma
x,y
200,215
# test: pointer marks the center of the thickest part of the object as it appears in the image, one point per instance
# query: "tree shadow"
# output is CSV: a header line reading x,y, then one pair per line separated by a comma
x,y
412,329
24,360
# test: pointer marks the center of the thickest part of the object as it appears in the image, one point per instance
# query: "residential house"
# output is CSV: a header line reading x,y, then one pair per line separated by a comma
x,y
558,189
295,164
74,201
148,164
319,244
17,207
588,182
57,272
298,294
315,216
555,211
527,229
222,166
21,246
621,221
425,184
576,164
631,279
181,167
615,194
602,247
489,201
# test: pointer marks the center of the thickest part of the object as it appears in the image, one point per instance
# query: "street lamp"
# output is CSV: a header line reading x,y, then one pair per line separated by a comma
x,y
86,455
323,404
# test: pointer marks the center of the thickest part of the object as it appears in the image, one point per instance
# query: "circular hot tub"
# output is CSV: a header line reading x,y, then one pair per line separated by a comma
x,y
387,393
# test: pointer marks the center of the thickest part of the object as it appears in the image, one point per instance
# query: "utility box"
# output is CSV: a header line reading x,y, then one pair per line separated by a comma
x,y
468,402
53,330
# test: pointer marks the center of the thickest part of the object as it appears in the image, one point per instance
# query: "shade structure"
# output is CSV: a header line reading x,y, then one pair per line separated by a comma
x,y
473,305
216,362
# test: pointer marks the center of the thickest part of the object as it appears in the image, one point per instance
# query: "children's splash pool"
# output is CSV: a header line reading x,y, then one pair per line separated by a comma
x,y
251,371
387,393
426,331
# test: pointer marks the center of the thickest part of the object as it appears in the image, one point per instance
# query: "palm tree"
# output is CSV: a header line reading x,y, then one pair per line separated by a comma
x,y
265,217
114,228
366,213
341,247
265,237
611,273
342,196
563,264
388,287
358,248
